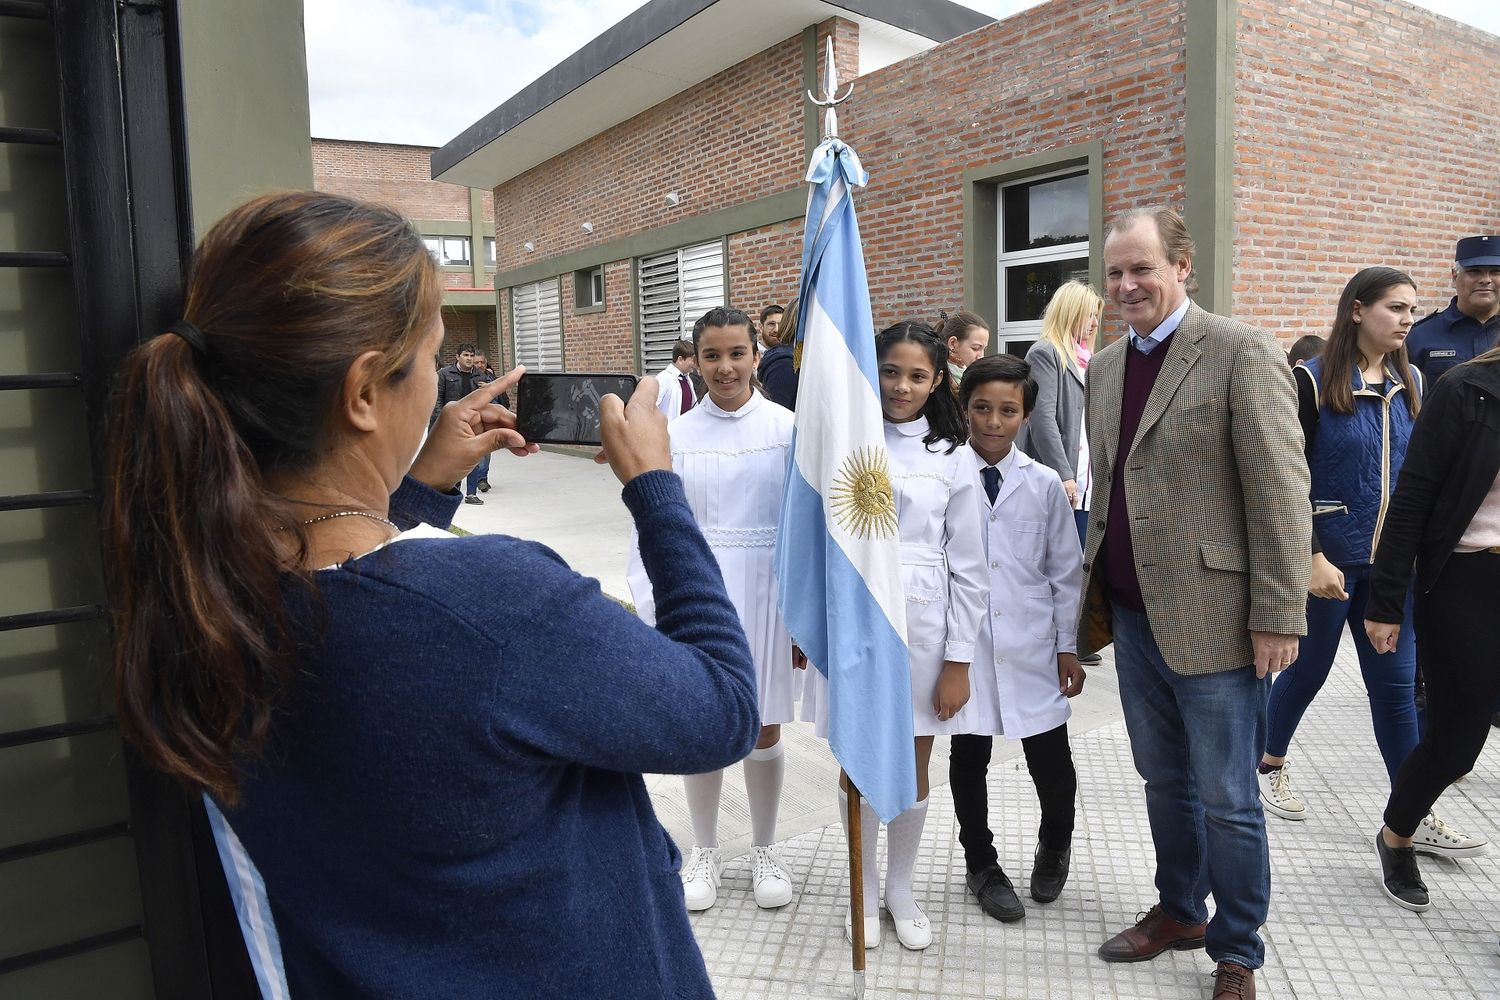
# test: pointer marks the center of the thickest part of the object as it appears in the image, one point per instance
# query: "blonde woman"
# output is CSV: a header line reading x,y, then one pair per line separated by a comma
x,y
1054,436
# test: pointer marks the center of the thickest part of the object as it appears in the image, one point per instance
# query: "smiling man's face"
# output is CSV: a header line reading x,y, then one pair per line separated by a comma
x,y
1145,286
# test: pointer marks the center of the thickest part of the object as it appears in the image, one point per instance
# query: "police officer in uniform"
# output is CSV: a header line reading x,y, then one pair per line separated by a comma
x,y
1471,323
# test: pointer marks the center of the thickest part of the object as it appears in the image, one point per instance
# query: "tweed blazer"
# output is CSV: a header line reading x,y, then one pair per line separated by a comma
x,y
1051,435
1216,490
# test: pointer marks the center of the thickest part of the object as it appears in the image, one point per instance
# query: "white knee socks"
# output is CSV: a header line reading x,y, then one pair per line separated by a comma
x,y
703,791
765,770
869,831
903,837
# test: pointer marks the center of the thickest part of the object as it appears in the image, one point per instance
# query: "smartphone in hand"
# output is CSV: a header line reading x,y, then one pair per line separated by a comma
x,y
563,407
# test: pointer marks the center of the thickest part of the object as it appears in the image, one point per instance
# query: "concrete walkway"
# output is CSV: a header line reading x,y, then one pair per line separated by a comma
x,y
1331,933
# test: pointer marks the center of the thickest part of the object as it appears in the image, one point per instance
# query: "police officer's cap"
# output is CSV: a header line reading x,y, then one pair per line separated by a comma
x,y
1478,251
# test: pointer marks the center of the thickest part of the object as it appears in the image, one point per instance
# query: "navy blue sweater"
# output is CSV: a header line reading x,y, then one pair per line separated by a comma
x,y
452,805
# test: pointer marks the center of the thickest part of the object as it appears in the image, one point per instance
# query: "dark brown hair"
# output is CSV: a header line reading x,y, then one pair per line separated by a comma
x,y
1341,352
287,291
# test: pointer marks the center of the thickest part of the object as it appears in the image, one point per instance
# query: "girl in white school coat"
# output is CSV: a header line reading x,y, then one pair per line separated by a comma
x,y
943,573
1025,664
731,452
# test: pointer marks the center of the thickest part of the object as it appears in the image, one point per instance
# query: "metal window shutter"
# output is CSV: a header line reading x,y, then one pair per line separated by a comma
x,y
538,333
661,313
701,271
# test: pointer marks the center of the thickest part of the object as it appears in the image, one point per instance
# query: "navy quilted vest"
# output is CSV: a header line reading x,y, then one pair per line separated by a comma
x,y
1354,461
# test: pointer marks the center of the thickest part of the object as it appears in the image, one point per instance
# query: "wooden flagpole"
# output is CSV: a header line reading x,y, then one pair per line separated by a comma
x,y
856,889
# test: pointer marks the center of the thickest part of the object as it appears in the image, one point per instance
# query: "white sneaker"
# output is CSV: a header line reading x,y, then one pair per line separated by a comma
x,y
773,884
1277,796
1440,840
700,878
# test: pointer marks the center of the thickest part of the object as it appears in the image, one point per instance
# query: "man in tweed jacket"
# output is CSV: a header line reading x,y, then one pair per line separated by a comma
x,y
1197,565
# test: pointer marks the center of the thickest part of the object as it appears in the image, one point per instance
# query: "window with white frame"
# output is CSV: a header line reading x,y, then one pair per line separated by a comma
x,y
1044,241
537,316
674,289
448,251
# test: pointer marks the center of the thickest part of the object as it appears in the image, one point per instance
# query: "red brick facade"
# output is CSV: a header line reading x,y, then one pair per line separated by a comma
x,y
401,177
1361,140
1355,143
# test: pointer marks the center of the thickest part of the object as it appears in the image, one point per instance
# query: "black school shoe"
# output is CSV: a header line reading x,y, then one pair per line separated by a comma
x,y
996,895
1399,878
1049,873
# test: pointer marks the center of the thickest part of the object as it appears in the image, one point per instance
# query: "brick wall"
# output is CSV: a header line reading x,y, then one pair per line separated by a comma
x,y
469,326
1362,140
729,140
765,266
399,176
1051,76
601,341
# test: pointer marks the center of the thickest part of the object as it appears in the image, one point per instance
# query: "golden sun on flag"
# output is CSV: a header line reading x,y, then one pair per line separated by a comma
x,y
861,499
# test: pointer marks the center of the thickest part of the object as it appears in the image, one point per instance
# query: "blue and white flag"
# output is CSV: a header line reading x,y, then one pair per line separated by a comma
x,y
838,558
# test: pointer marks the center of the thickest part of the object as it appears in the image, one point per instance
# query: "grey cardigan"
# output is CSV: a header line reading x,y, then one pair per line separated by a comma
x,y
1052,435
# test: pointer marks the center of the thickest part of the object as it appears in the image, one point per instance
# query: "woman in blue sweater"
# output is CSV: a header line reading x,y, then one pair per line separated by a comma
x,y
1357,403
436,767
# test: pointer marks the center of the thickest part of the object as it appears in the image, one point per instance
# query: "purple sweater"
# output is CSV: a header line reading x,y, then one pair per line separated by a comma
x,y
1122,584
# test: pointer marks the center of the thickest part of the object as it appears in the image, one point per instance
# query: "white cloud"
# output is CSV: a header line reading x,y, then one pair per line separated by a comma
x,y
421,71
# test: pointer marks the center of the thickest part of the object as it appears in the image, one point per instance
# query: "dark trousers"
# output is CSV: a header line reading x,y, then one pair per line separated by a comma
x,y
1458,646
1050,761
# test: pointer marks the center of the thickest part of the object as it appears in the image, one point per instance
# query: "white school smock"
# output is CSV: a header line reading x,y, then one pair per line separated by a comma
x,y
942,568
1035,580
733,467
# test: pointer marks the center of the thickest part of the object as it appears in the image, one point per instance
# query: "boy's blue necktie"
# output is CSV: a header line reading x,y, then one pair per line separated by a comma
x,y
991,481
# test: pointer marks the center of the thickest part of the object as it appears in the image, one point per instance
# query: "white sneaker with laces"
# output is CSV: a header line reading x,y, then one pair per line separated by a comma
x,y
700,878
1277,796
1440,840
773,884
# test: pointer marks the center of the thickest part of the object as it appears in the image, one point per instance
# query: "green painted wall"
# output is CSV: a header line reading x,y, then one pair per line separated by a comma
x,y
244,68
1209,145
49,558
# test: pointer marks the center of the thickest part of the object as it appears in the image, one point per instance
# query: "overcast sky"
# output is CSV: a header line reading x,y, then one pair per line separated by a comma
x,y
421,71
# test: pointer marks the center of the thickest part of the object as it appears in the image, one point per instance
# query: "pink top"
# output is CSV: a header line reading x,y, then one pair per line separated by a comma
x,y
1483,531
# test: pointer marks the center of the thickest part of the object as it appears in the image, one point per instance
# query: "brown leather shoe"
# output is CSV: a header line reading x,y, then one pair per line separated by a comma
x,y
1233,982
1153,934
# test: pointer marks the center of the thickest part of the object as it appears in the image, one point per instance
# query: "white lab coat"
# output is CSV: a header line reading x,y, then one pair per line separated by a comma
x,y
1035,579
669,394
942,568
733,468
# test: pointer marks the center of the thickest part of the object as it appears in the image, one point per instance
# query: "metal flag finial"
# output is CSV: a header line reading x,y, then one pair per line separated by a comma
x,y
829,100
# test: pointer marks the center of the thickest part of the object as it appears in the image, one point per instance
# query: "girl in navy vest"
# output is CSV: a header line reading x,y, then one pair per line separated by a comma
x,y
1357,403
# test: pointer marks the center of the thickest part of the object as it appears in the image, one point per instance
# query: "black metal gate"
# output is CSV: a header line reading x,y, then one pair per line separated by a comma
x,y
109,886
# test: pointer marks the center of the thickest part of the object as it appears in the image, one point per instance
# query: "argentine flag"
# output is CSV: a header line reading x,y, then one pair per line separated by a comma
x,y
838,558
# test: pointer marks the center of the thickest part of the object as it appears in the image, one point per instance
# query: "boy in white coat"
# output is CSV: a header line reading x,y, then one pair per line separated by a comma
x,y
1025,660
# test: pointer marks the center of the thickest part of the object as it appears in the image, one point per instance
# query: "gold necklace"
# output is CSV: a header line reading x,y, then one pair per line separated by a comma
x,y
353,513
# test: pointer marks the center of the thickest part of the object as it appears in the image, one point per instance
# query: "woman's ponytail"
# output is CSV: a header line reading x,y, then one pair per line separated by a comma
x,y
197,551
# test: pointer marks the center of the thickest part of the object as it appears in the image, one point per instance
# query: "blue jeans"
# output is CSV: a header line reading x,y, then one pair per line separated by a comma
x,y
481,471
1195,741
1388,676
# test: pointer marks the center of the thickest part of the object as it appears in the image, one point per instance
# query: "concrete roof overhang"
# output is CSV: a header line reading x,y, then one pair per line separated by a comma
x,y
661,50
